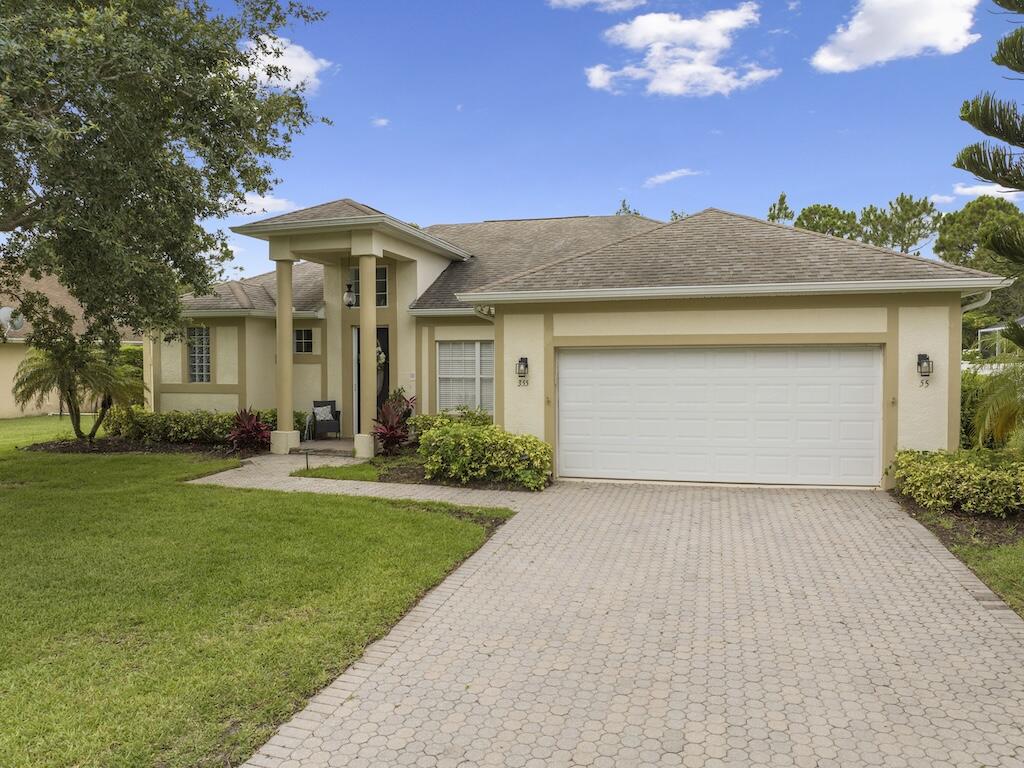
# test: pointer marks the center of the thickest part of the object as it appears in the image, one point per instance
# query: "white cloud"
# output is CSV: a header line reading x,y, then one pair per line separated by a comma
x,y
380,122
608,6
942,199
664,178
682,55
793,5
303,67
883,30
977,190
267,204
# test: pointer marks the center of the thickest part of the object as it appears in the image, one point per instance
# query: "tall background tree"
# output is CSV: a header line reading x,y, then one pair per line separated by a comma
x,y
1000,160
123,125
779,212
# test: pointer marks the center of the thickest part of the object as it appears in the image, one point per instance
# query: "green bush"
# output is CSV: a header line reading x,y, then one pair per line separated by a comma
x,y
972,384
424,422
201,427
463,452
977,482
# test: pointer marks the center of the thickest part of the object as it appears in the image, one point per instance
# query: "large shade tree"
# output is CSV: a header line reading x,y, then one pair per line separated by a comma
x,y
124,124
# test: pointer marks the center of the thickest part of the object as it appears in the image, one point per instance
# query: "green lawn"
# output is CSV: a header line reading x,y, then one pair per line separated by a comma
x,y
36,429
146,622
366,471
1000,567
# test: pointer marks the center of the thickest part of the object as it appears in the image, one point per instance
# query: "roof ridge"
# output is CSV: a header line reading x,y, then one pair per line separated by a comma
x,y
565,259
540,218
238,291
860,243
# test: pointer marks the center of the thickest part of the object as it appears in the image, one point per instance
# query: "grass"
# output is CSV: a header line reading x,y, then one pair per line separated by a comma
x,y
36,429
146,622
993,549
373,470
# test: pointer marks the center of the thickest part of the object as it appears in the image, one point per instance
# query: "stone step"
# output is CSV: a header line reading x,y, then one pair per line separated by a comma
x,y
323,451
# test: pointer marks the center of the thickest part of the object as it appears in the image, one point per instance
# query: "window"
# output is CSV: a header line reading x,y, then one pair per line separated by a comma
x,y
382,285
304,341
465,375
198,354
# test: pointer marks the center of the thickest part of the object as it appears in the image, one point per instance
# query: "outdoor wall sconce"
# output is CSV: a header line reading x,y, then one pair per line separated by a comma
x,y
349,298
925,366
523,371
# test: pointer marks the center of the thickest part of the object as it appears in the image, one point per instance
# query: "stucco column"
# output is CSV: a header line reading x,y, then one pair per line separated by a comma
x,y
284,438
364,446
331,343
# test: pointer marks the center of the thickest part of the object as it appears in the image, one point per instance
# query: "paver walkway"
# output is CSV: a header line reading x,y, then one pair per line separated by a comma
x,y
642,625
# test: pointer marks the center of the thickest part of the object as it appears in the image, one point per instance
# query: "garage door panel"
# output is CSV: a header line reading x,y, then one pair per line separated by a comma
x,y
768,415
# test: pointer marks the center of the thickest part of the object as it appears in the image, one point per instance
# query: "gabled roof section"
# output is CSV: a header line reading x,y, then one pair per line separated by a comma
x,y
504,248
257,295
335,209
719,253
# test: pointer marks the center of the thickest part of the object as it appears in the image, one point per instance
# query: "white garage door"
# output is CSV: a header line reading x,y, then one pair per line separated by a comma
x,y
794,415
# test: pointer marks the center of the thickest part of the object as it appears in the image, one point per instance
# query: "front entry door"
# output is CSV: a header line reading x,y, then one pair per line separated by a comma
x,y
383,373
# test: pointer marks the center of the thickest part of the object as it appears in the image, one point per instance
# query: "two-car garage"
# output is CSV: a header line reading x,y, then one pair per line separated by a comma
x,y
787,415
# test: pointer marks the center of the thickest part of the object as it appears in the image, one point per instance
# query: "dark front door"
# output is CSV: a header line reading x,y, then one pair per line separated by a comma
x,y
383,373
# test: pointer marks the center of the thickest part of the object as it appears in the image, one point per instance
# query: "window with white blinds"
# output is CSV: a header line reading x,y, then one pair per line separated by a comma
x,y
465,375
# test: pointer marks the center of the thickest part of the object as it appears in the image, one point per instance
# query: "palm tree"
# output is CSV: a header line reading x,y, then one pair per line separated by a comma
x,y
1000,413
80,376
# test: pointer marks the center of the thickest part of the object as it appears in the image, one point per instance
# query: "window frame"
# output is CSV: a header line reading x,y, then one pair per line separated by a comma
x,y
478,378
194,372
296,341
354,282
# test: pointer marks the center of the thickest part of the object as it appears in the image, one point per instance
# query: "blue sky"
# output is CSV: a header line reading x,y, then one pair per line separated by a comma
x,y
463,110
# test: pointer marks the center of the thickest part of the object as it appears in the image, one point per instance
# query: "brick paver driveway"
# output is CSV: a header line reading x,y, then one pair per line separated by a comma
x,y
618,625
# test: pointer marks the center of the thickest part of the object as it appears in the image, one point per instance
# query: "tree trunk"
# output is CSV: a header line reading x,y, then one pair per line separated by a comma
x,y
74,413
105,404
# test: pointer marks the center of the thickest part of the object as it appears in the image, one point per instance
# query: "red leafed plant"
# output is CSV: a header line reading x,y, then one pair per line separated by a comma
x,y
392,428
249,433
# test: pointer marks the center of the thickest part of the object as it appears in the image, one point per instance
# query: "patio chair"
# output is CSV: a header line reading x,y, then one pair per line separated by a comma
x,y
323,427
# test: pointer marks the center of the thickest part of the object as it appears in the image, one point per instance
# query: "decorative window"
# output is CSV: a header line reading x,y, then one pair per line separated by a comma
x,y
465,375
303,341
382,285
198,354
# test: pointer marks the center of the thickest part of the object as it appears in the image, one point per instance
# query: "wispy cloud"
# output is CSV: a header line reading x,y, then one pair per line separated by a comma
x,y
682,56
883,30
267,204
300,66
665,178
380,122
977,190
608,6
942,199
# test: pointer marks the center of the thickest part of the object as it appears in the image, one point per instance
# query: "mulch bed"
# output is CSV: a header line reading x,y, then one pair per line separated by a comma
x,y
958,529
411,471
121,445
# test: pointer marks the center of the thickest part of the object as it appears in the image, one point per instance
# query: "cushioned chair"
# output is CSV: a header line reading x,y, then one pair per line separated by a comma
x,y
324,427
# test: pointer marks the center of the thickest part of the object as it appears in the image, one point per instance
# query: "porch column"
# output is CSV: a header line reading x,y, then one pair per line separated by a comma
x,y
364,446
285,437
331,344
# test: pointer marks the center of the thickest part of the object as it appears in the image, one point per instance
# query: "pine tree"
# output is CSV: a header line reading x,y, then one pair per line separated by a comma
x,y
1000,161
780,212
626,210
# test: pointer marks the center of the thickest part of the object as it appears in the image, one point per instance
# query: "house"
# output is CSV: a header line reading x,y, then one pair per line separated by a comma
x,y
14,347
715,348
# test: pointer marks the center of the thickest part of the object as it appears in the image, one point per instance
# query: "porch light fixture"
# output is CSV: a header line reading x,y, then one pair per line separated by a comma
x,y
925,366
523,369
349,298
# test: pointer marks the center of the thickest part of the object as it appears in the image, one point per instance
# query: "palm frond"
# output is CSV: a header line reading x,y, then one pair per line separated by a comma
x,y
1000,410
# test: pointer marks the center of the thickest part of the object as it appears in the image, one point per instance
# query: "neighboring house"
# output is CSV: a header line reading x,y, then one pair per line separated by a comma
x,y
994,343
14,349
714,348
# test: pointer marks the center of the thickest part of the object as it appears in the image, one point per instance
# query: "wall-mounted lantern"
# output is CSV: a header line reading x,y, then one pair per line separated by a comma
x,y
925,366
349,297
523,371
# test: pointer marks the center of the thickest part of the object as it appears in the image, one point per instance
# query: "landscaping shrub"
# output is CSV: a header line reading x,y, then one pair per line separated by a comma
x,y
972,385
465,453
391,428
977,482
424,422
200,427
250,433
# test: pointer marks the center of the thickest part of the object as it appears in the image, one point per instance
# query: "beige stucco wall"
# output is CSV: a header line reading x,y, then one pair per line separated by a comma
x,y
260,361
226,354
198,401
523,412
170,363
924,418
11,355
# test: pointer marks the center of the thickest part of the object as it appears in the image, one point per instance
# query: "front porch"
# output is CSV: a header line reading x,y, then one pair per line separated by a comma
x,y
340,446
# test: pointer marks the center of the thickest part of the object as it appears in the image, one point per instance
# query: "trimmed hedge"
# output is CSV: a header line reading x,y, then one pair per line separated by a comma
x,y
424,422
202,427
976,482
463,452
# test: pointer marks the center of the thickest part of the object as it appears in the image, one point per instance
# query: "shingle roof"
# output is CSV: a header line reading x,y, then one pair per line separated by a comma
x,y
259,293
59,296
715,247
504,248
335,209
